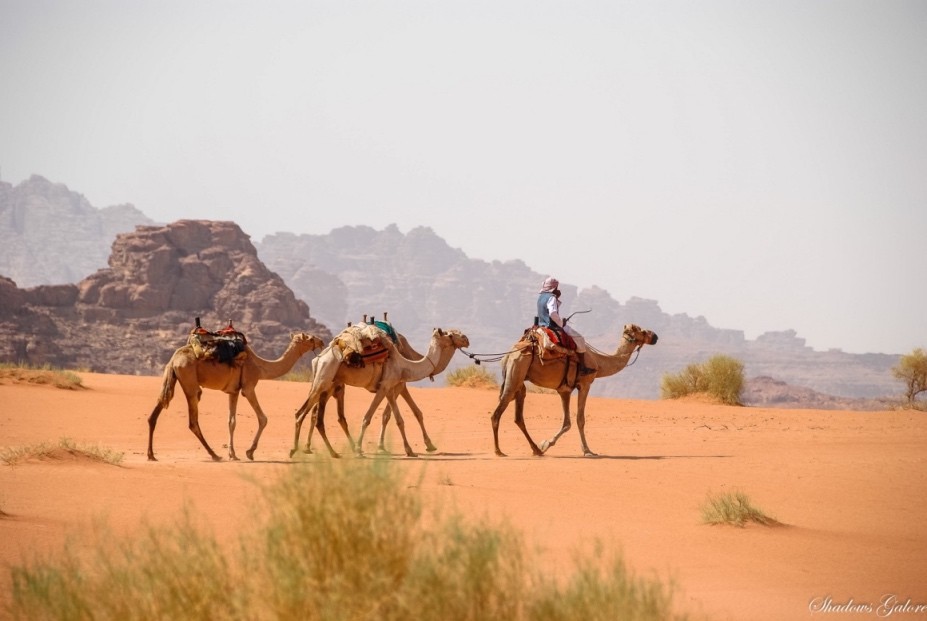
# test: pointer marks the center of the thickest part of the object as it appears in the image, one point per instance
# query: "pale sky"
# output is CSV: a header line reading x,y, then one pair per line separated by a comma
x,y
761,164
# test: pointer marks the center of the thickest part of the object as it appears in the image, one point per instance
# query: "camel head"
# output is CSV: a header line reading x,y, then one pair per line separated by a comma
x,y
305,342
455,337
635,334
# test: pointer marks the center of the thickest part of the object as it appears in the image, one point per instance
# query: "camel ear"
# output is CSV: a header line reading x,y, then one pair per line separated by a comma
x,y
440,332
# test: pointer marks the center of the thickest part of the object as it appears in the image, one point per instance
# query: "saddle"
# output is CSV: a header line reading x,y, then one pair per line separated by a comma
x,y
362,344
549,344
226,345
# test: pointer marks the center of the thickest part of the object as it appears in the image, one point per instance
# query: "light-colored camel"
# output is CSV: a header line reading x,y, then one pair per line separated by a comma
x,y
385,379
523,364
407,351
194,374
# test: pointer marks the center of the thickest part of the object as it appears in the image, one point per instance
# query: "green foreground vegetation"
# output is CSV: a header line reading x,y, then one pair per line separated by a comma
x,y
333,541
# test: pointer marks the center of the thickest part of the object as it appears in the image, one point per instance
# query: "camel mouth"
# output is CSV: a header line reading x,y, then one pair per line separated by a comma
x,y
653,338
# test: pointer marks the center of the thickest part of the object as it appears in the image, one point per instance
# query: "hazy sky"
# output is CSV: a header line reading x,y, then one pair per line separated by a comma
x,y
761,164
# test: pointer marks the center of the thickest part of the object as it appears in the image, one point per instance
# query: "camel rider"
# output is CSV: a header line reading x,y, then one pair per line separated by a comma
x,y
549,317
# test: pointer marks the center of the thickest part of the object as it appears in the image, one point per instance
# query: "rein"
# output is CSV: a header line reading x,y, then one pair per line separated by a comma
x,y
480,358
637,352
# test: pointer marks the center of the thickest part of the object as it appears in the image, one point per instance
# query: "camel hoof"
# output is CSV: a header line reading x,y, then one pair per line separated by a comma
x,y
233,458
590,454
216,458
250,455
152,458
431,448
500,454
292,452
546,444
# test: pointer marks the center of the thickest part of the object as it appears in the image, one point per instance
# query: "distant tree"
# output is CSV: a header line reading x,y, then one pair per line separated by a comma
x,y
721,377
912,370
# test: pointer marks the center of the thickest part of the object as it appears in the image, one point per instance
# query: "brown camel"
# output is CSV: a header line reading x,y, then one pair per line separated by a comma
x,y
407,351
194,374
524,364
385,379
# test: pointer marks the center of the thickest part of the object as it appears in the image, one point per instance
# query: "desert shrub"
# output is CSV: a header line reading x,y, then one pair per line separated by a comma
x,y
472,377
912,371
601,585
720,377
336,540
733,508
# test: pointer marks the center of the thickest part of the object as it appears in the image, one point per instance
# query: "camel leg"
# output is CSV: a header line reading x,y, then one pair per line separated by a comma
x,y
394,406
565,400
152,421
496,416
581,421
233,416
520,419
419,416
377,399
251,396
339,399
318,418
300,416
387,411
193,407
164,399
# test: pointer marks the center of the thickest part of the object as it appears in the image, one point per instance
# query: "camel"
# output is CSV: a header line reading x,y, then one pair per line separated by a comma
x,y
408,352
523,364
386,379
194,374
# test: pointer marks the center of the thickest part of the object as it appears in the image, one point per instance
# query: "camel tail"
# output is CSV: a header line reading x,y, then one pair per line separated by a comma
x,y
167,387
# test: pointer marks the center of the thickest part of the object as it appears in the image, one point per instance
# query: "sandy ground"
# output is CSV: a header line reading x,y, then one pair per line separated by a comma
x,y
849,485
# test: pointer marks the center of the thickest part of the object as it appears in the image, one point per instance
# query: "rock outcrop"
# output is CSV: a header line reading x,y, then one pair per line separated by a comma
x,y
422,282
129,317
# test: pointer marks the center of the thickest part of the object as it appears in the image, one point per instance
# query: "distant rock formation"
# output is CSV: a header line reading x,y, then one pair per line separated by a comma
x,y
422,282
129,317
160,277
51,235
769,392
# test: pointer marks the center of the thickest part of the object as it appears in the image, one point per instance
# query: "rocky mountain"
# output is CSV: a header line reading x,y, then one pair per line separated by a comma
x,y
50,235
129,317
160,277
422,282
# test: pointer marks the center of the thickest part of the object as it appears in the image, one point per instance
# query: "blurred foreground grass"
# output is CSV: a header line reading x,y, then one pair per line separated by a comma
x,y
339,540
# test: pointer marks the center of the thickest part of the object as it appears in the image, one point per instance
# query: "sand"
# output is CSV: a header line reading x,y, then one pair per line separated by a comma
x,y
849,486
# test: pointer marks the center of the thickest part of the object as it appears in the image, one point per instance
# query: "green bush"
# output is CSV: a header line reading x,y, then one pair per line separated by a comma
x,y
335,540
720,377
912,371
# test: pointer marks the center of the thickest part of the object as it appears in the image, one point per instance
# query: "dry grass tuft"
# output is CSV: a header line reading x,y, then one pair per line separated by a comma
x,y
43,376
734,508
64,449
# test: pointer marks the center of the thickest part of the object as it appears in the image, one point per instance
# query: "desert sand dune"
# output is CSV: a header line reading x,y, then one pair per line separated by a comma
x,y
848,485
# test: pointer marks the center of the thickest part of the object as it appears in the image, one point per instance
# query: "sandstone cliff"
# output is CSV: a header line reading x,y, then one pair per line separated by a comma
x,y
129,317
